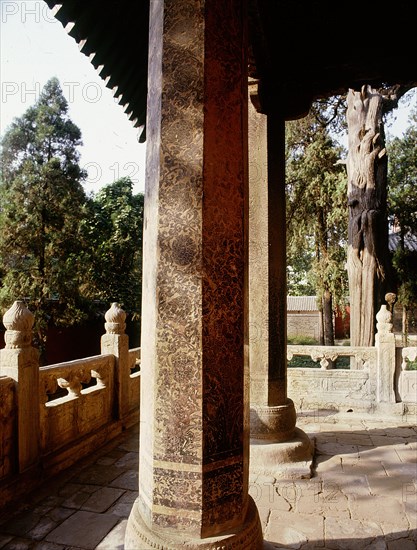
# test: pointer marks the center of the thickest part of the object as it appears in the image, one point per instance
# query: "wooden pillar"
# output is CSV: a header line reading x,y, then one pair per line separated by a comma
x,y
194,437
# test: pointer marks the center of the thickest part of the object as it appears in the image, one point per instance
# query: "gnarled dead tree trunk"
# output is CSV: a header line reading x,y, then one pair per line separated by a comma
x,y
367,258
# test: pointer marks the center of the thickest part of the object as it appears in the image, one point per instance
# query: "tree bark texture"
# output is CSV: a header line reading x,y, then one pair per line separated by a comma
x,y
327,302
367,257
322,253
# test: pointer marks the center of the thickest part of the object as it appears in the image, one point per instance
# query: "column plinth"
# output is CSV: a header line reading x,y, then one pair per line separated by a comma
x,y
249,535
273,423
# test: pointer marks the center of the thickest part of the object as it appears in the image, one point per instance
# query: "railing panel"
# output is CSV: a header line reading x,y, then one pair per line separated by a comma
x,y
8,423
87,404
331,389
407,383
134,378
407,386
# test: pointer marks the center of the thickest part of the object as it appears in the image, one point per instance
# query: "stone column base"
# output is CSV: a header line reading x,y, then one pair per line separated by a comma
x,y
290,459
247,537
273,423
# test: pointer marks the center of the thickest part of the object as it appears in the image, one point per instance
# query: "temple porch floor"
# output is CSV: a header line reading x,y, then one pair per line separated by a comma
x,y
362,493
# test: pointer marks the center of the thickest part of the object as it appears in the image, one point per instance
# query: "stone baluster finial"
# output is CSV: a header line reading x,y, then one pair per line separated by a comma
x,y
115,319
18,321
384,320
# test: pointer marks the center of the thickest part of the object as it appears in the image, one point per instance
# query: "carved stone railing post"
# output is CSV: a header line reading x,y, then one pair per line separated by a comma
x,y
385,344
20,361
116,342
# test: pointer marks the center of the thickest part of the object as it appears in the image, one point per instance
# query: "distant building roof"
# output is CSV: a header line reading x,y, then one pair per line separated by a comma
x,y
410,241
302,303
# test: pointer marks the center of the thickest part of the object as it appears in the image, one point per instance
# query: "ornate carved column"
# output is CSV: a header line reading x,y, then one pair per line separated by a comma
x,y
277,446
20,361
194,437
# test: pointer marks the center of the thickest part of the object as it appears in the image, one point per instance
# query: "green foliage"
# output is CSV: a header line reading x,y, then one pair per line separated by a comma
x,y
402,209
412,365
114,257
402,178
302,341
299,270
61,251
317,217
405,264
42,207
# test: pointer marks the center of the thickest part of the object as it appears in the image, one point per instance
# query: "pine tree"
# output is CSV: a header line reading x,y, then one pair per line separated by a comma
x,y
42,203
316,213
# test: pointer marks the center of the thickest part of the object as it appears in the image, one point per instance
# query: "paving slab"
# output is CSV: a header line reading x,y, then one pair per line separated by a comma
x,y
59,514
21,523
42,528
401,544
329,502
264,513
70,489
76,500
398,487
294,529
352,534
4,539
124,505
128,460
382,510
85,528
127,480
18,544
115,539
354,486
102,499
97,474
48,546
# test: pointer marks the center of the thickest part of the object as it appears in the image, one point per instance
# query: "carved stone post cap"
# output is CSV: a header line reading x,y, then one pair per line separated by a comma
x,y
390,298
18,317
18,321
115,319
384,318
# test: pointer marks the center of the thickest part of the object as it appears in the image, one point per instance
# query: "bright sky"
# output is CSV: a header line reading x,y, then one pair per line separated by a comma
x,y
34,47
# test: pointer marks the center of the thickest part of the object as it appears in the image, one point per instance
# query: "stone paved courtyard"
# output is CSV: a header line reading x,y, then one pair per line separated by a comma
x,y
362,494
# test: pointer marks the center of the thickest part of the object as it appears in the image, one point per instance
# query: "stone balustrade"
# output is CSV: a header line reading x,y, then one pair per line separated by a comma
x,y
328,355
54,415
377,378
